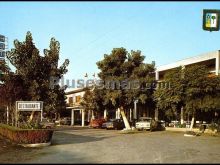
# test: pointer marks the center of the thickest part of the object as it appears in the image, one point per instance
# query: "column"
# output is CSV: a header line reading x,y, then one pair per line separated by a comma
x,y
83,117
157,75
105,114
156,114
135,110
93,117
88,115
72,117
182,116
217,65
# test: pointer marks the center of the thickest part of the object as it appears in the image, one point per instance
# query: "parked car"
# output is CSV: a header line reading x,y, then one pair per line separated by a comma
x,y
144,123
47,124
157,125
96,123
65,121
114,124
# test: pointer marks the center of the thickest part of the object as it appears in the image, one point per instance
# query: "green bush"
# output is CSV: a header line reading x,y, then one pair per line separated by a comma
x,y
214,126
25,136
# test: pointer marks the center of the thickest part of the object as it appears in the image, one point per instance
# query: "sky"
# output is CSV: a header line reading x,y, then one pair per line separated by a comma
x,y
165,32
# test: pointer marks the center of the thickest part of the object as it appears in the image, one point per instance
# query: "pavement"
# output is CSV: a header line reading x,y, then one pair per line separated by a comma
x,y
85,145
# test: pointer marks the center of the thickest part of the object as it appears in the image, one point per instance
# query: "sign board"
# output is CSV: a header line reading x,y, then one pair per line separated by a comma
x,y
29,105
211,19
2,38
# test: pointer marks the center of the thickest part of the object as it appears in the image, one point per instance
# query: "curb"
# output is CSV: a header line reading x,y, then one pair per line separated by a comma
x,y
36,145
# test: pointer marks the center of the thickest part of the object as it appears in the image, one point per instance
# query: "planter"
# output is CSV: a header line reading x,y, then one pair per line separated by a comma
x,y
27,137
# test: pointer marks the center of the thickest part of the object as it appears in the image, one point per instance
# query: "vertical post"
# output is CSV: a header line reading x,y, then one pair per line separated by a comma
x,y
93,117
83,117
182,116
157,75
217,64
88,115
156,114
41,115
72,117
135,109
7,114
16,115
105,114
130,114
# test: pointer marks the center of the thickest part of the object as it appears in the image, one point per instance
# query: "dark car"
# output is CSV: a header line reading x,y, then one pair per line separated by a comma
x,y
114,124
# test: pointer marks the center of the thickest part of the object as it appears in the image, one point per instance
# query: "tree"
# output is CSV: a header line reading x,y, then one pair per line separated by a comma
x,y
191,88
88,101
125,76
171,97
35,72
202,91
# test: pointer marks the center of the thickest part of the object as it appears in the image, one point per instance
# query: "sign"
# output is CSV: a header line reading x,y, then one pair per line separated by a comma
x,y
211,19
2,38
29,105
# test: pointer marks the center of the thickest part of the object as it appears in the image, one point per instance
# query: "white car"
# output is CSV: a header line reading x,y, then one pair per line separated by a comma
x,y
144,123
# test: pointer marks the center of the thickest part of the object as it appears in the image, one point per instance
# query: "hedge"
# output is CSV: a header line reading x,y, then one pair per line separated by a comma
x,y
25,136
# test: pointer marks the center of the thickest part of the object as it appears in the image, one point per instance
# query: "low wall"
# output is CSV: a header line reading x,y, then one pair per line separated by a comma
x,y
26,136
208,131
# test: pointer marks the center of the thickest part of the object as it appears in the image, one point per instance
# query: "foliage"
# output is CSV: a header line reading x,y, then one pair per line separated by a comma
x,y
25,136
31,81
192,88
171,99
122,67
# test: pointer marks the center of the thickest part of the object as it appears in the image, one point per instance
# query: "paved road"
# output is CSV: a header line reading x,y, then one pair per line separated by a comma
x,y
110,146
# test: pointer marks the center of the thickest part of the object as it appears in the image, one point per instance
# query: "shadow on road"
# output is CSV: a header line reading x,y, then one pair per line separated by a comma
x,y
60,138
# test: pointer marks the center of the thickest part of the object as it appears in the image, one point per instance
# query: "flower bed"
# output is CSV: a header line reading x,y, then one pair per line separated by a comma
x,y
26,136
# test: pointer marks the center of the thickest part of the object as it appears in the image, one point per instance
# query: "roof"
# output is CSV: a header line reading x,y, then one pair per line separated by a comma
x,y
191,60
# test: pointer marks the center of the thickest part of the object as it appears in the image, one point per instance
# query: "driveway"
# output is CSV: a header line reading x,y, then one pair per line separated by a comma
x,y
110,146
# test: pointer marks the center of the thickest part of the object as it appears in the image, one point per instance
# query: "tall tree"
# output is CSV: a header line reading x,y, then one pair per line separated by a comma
x,y
125,76
191,87
170,98
36,71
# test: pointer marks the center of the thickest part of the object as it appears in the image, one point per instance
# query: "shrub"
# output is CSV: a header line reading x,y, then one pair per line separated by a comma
x,y
25,136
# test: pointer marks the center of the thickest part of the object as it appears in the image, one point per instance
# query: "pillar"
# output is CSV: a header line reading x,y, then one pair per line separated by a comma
x,y
156,114
93,117
217,65
83,117
182,116
105,114
72,117
135,109
157,75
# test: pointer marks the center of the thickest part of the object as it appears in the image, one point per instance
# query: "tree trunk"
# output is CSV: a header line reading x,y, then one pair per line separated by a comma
x,y
31,117
192,122
127,125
